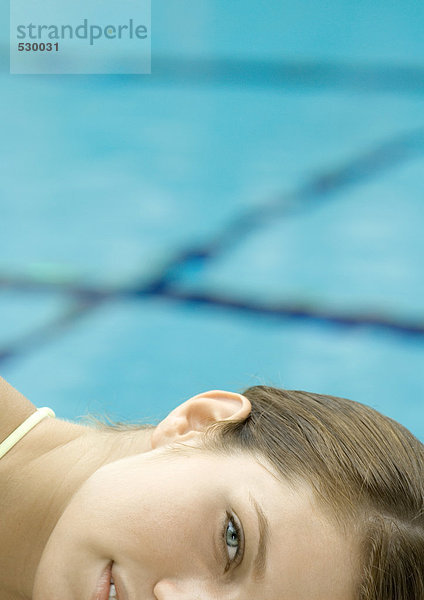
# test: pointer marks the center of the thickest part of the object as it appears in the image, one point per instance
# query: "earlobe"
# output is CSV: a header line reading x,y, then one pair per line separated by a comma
x,y
191,418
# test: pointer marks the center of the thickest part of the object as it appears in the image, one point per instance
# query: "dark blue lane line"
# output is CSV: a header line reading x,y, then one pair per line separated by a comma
x,y
320,188
258,73
280,73
283,312
299,312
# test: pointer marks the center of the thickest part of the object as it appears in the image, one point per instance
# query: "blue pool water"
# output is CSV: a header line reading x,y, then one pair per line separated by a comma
x,y
249,213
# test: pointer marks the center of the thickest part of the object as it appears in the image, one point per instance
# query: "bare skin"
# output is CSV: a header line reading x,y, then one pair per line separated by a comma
x,y
73,499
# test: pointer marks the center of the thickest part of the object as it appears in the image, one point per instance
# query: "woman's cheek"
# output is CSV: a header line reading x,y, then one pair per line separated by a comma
x,y
179,541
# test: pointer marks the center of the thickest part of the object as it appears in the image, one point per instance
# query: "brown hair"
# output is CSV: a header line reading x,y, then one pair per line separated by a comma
x,y
366,469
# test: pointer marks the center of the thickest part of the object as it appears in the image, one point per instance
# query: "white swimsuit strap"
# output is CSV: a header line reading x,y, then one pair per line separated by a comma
x,y
26,426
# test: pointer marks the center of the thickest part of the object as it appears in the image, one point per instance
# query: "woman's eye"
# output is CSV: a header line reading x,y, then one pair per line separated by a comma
x,y
232,541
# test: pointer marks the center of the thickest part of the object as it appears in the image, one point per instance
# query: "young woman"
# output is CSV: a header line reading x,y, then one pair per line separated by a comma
x,y
265,495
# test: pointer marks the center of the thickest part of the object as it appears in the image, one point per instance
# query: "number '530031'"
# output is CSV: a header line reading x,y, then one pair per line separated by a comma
x,y
38,47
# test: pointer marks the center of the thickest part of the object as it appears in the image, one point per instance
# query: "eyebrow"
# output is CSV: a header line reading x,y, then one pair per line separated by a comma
x,y
259,563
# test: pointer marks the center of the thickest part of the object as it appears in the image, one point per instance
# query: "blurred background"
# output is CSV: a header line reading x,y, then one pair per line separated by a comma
x,y
250,213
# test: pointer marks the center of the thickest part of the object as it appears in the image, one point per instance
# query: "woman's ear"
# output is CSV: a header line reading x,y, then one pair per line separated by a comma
x,y
192,417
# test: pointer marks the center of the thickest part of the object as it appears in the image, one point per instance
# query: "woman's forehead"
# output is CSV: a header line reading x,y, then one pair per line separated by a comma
x,y
307,557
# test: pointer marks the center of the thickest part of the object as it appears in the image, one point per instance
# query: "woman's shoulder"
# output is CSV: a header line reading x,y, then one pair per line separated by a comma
x,y
14,409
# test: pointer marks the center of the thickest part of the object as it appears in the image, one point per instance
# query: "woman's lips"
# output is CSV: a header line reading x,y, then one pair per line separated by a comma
x,y
103,585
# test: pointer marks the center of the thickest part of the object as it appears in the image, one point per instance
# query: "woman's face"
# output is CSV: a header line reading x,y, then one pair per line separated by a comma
x,y
191,527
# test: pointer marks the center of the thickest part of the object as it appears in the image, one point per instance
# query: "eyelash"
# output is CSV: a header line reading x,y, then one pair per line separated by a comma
x,y
240,549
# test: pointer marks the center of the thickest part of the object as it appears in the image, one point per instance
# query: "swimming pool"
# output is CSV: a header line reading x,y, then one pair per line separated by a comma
x,y
249,213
